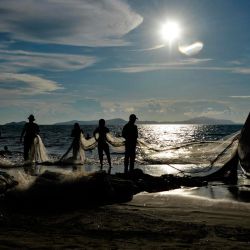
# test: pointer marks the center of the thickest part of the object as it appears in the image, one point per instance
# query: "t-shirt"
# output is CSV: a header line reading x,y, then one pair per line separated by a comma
x,y
31,130
130,133
102,131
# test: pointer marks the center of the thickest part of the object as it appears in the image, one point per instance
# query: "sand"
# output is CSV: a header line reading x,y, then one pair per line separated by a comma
x,y
164,220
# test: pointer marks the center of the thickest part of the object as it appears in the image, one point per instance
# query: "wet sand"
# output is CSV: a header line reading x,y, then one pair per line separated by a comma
x,y
164,220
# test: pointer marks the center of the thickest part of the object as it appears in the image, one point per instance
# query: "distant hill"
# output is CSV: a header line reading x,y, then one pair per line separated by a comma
x,y
16,123
207,120
196,120
119,121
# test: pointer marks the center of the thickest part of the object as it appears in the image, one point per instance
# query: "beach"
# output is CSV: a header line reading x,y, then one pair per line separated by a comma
x,y
162,220
57,216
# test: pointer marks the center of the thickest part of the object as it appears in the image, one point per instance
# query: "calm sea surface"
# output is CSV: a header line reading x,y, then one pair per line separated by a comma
x,y
57,140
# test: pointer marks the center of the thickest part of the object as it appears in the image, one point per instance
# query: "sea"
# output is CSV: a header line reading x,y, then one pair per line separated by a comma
x,y
57,140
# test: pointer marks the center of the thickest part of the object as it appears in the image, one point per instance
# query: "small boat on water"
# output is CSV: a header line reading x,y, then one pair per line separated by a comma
x,y
244,148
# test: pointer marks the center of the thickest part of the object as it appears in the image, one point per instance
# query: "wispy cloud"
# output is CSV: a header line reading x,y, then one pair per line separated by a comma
x,y
83,23
12,84
188,64
191,49
165,66
17,60
151,48
242,70
240,96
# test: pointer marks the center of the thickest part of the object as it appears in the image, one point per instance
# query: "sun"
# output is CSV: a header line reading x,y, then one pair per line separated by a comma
x,y
170,31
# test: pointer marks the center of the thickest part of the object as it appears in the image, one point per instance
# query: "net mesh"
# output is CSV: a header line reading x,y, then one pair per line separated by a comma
x,y
205,153
244,146
38,151
75,153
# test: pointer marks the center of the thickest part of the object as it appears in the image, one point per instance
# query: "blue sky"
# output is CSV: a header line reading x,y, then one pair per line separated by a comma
x,y
84,60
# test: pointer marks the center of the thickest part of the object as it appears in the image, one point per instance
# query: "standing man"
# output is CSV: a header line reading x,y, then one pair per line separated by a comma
x,y
130,133
30,131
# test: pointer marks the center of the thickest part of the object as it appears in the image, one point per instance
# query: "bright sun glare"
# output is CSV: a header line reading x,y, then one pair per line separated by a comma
x,y
170,31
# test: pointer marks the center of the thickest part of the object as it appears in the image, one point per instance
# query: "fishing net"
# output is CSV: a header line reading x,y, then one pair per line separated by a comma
x,y
38,151
200,153
117,143
75,153
244,146
204,153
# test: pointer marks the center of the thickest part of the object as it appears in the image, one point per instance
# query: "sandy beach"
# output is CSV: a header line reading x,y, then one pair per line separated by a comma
x,y
163,220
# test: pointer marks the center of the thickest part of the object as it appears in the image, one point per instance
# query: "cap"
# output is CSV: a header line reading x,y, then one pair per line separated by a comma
x,y
31,117
133,117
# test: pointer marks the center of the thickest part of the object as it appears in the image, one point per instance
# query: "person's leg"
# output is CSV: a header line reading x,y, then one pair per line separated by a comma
x,y
132,159
26,148
75,148
100,153
25,151
126,160
106,150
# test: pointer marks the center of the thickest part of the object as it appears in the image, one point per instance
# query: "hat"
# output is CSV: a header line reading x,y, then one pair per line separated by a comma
x,y
31,117
133,117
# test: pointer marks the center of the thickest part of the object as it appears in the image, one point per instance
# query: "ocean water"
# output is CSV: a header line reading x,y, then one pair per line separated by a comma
x,y
57,140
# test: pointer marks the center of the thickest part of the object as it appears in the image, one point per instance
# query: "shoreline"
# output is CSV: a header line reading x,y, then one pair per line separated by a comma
x,y
184,218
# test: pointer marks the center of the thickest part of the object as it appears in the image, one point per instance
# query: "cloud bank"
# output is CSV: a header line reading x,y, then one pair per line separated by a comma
x,y
17,60
12,84
75,22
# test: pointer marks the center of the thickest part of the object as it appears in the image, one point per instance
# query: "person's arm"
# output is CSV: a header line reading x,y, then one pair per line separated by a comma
x,y
37,130
23,132
96,131
124,132
136,132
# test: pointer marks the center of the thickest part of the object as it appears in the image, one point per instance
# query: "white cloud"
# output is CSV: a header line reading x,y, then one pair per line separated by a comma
x,y
12,84
75,22
17,60
192,49
240,96
188,64
169,110
178,65
244,71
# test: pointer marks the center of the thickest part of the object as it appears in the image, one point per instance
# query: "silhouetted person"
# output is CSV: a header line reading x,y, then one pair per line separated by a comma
x,y
5,151
30,131
102,142
130,133
87,136
76,133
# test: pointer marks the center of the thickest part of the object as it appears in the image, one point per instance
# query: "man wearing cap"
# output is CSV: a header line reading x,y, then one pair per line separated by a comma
x,y
130,133
30,131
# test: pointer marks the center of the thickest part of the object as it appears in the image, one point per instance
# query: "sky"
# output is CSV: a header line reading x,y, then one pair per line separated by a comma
x,y
65,60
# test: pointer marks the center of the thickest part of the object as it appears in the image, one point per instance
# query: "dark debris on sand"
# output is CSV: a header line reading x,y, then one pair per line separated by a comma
x,y
53,189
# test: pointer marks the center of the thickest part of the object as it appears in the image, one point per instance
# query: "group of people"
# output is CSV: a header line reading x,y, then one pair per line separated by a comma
x,y
129,133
